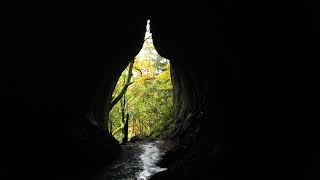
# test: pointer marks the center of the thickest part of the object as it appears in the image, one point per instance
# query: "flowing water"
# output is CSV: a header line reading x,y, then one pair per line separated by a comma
x,y
138,163
150,156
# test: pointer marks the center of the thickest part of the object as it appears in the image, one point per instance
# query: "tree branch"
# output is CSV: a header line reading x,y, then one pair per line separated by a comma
x,y
125,87
138,70
118,129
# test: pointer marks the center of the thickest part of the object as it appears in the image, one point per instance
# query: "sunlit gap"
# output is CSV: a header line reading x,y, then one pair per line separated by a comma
x,y
144,94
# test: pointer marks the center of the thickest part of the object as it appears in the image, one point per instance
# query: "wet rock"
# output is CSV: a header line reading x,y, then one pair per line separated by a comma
x,y
161,176
139,138
137,160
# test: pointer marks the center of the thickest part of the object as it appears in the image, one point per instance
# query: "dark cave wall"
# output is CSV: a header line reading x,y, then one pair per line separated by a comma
x,y
65,92
189,100
231,120
201,79
229,108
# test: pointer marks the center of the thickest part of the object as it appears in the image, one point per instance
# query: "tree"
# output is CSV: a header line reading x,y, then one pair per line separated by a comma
x,y
125,87
149,99
119,96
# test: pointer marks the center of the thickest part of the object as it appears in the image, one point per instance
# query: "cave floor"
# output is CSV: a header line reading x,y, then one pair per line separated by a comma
x,y
137,161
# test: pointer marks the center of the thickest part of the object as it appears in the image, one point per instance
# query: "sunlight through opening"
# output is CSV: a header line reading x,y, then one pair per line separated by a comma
x,y
143,97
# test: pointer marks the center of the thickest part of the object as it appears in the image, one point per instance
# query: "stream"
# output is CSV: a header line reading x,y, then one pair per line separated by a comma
x,y
137,162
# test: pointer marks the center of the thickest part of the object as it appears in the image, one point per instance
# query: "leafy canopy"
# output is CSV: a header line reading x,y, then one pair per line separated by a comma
x,y
148,99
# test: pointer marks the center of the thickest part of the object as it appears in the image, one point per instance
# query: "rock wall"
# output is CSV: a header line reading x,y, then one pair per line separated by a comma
x,y
229,106
231,110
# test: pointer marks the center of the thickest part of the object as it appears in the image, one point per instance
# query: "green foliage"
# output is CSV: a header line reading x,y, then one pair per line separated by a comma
x,y
149,99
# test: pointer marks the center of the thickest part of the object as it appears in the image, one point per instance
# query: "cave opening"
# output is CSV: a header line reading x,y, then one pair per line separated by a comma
x,y
150,105
228,64
142,99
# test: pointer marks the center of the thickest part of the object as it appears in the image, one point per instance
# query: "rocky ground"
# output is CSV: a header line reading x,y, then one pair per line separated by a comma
x,y
133,162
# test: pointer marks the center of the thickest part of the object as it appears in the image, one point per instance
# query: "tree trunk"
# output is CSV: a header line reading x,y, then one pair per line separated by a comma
x,y
125,87
123,110
126,128
120,95
122,107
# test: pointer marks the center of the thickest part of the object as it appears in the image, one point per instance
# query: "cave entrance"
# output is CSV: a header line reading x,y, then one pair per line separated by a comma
x,y
142,100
